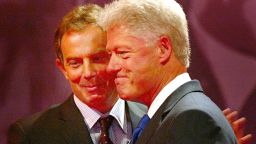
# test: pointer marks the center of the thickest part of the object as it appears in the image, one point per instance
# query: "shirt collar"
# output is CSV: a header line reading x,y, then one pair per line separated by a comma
x,y
91,116
167,91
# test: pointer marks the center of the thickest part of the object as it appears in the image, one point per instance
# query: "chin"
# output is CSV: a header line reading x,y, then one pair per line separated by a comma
x,y
125,96
98,97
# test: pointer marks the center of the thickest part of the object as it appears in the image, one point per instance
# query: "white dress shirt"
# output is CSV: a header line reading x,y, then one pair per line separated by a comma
x,y
120,131
167,91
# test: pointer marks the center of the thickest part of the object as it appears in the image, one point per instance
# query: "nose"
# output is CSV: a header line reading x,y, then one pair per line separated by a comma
x,y
113,65
88,71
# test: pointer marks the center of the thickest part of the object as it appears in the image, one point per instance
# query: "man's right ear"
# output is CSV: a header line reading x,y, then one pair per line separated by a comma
x,y
60,65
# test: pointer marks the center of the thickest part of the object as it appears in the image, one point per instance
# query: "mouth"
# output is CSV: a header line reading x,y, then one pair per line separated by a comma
x,y
91,88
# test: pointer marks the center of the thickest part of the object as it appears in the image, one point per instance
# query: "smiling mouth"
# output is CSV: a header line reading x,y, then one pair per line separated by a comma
x,y
91,88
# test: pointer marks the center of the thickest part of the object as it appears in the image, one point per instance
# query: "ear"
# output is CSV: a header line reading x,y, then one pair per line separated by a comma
x,y
60,65
165,49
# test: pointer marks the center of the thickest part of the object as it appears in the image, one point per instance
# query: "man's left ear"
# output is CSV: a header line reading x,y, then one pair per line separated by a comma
x,y
165,49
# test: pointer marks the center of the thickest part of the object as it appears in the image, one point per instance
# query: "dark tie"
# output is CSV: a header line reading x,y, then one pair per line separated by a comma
x,y
138,130
104,126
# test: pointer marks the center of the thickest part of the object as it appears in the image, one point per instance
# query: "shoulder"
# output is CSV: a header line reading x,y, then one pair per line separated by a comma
x,y
196,117
200,126
198,102
41,117
196,105
18,131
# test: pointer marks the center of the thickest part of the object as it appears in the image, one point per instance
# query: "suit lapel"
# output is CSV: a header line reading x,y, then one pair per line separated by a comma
x,y
74,129
166,107
191,86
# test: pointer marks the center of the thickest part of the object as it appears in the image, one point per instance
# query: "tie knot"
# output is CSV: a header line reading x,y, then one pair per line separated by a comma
x,y
105,122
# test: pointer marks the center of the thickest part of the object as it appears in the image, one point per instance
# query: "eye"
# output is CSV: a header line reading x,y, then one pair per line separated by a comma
x,y
122,54
74,64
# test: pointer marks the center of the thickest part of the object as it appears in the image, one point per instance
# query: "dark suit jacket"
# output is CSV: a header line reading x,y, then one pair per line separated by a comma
x,y
61,124
188,117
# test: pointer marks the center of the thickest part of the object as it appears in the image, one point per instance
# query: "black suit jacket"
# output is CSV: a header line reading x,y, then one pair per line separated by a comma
x,y
188,117
62,124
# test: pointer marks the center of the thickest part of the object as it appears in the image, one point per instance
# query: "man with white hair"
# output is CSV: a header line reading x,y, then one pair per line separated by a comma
x,y
150,54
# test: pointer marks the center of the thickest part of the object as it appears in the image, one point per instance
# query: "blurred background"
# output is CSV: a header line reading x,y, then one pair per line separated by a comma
x,y
223,41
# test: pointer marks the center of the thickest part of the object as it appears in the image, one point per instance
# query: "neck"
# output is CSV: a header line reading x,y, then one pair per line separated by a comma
x,y
105,107
166,77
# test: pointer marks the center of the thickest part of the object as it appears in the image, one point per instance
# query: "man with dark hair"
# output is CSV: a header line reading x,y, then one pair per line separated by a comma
x,y
93,113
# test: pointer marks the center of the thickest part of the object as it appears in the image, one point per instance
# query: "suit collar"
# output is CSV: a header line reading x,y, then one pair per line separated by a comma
x,y
91,116
166,91
166,107
69,111
191,86
73,129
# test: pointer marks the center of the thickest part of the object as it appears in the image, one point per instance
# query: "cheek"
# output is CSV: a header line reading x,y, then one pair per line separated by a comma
x,y
137,66
144,74
74,75
141,62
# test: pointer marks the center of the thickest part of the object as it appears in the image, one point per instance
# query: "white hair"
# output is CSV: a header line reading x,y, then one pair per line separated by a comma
x,y
157,17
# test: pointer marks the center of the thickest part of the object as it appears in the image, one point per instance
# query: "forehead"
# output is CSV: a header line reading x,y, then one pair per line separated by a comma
x,y
121,36
116,30
90,40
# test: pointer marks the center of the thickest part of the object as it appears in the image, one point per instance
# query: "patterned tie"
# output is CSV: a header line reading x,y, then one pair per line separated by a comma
x,y
138,130
104,126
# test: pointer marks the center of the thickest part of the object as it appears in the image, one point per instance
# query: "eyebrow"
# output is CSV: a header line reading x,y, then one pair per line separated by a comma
x,y
71,58
100,52
97,52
